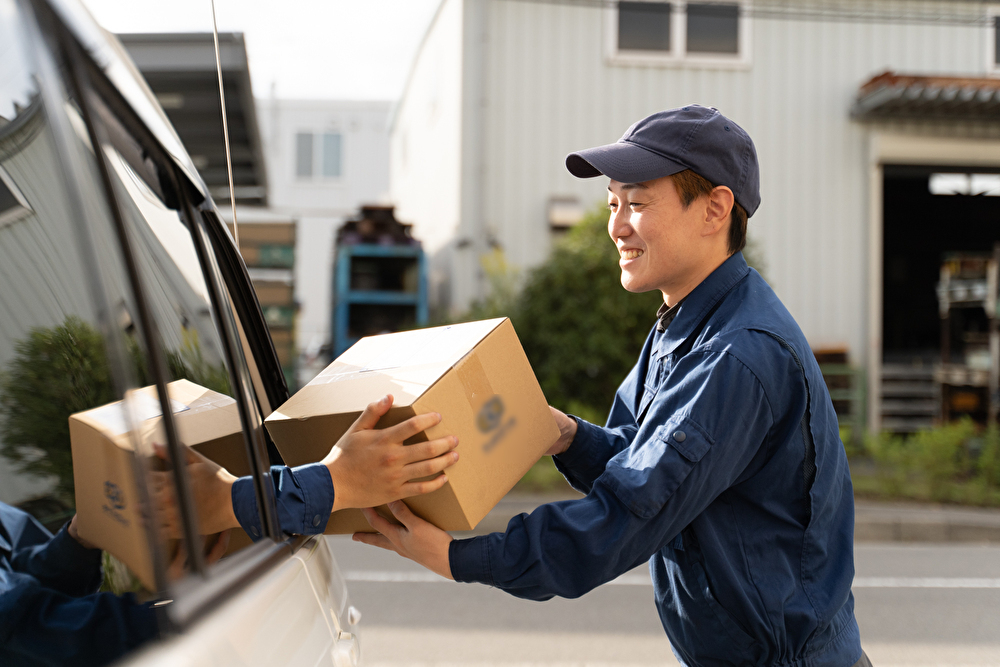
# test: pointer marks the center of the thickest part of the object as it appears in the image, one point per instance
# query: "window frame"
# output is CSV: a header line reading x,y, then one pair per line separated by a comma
x,y
73,66
678,56
992,29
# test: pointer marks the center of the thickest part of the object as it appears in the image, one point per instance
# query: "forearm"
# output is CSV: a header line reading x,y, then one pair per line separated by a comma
x,y
63,563
47,627
565,549
586,457
304,498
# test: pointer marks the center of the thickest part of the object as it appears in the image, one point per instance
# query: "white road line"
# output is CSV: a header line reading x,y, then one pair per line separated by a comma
x,y
383,577
925,582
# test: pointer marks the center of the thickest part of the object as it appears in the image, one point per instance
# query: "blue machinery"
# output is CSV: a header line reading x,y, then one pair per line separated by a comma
x,y
377,289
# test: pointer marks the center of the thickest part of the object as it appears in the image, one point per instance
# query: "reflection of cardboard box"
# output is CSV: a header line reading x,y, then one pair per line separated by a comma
x,y
475,375
109,514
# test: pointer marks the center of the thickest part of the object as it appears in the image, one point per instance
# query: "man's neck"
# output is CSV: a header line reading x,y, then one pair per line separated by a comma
x,y
676,295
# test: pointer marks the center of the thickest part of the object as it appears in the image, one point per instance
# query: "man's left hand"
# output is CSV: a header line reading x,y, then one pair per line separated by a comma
x,y
416,539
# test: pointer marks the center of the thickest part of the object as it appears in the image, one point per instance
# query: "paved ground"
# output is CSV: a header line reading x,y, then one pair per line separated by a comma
x,y
874,522
917,604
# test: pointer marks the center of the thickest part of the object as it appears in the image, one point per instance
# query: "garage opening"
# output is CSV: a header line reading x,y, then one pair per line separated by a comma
x,y
932,215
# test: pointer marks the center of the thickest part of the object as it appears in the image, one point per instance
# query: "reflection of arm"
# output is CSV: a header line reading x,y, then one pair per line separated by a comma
x,y
42,626
59,563
303,495
50,612
642,500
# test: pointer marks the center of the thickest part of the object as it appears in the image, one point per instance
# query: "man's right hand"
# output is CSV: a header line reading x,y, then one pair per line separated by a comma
x,y
372,467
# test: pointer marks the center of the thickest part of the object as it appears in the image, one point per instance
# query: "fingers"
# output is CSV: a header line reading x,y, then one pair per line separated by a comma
x,y
403,514
372,413
411,489
378,522
415,471
431,449
219,548
412,426
374,539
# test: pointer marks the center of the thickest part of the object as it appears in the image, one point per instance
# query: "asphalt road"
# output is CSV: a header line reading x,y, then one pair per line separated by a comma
x,y
933,604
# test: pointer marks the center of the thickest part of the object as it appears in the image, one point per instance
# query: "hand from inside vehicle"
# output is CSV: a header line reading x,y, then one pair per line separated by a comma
x,y
371,467
211,486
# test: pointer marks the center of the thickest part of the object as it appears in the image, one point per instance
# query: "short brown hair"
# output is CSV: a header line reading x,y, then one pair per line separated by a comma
x,y
690,186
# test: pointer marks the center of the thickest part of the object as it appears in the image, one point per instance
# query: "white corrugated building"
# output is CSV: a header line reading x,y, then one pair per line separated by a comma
x,y
502,90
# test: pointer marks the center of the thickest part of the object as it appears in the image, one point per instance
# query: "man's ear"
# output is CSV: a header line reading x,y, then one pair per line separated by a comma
x,y
717,210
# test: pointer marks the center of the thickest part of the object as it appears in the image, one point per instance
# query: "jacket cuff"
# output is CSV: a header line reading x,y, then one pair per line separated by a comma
x,y
317,498
245,507
580,455
470,560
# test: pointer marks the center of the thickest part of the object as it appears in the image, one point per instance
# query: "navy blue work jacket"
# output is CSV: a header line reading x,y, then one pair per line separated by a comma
x,y
303,495
50,610
721,464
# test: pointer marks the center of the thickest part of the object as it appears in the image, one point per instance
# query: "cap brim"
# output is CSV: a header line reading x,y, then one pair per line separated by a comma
x,y
623,162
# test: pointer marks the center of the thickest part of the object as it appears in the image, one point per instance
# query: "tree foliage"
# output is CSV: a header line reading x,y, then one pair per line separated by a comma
x,y
55,372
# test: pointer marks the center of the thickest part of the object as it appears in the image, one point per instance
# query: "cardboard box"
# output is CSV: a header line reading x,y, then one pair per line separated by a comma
x,y
475,375
109,514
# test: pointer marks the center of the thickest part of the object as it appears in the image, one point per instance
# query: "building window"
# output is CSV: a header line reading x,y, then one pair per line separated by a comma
x,y
304,154
331,155
679,33
644,26
318,155
712,28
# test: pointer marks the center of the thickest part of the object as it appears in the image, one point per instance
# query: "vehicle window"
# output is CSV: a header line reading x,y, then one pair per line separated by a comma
x,y
76,406
177,294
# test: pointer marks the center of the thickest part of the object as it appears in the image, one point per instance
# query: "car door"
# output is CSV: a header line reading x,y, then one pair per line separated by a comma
x,y
119,275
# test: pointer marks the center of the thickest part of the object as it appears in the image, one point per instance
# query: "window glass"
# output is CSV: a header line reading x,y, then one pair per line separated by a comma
x,y
712,28
303,154
73,413
331,154
644,26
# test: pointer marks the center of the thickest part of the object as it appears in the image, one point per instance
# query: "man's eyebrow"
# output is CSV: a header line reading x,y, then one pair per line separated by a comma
x,y
631,186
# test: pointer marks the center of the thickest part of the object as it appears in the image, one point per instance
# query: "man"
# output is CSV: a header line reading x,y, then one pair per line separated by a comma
x,y
720,462
51,612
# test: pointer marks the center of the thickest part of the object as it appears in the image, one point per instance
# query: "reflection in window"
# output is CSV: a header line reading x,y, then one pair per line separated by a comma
x,y
712,28
644,26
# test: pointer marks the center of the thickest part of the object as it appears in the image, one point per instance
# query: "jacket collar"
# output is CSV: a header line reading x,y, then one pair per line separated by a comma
x,y
702,299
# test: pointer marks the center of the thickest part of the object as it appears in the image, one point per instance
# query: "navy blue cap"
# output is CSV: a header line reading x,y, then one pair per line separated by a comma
x,y
693,137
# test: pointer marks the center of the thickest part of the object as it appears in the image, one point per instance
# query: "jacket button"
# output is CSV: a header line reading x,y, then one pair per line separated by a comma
x,y
254,531
680,436
316,520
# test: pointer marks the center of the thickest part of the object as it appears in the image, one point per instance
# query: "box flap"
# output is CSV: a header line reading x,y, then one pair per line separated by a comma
x,y
402,364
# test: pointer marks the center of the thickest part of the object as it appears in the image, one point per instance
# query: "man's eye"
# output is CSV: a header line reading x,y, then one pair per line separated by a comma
x,y
612,207
634,204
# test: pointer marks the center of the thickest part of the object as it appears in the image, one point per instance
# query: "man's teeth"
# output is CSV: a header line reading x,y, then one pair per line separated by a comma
x,y
631,254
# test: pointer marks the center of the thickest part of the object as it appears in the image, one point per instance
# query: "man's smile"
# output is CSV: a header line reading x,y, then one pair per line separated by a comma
x,y
631,253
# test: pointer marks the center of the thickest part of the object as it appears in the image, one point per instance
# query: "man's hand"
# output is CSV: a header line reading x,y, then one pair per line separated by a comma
x,y
76,536
372,467
416,539
567,431
211,486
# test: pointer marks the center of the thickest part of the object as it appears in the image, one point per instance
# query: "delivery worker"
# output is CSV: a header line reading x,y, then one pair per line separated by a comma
x,y
51,612
721,462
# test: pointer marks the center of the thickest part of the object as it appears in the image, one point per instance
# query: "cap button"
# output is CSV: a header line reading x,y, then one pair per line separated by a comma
x,y
680,436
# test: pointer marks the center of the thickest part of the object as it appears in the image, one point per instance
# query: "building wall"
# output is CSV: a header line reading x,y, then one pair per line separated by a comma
x,y
426,168
549,88
320,204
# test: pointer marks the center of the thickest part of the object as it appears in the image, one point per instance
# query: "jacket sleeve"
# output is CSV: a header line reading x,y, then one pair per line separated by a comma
x,y
39,625
61,563
303,495
593,446
701,431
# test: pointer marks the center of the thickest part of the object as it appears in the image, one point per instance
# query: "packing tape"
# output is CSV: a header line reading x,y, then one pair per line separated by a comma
x,y
473,377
